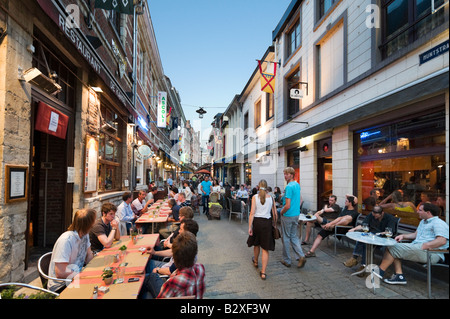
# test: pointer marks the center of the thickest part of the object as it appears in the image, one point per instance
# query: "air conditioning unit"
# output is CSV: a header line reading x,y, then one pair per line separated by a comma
x,y
35,77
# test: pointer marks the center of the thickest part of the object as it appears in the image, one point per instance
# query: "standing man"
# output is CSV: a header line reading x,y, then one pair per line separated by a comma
x,y
125,213
206,189
170,180
289,220
106,229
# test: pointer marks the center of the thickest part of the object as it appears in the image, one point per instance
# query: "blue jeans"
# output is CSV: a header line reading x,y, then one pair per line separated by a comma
x,y
360,250
289,238
205,203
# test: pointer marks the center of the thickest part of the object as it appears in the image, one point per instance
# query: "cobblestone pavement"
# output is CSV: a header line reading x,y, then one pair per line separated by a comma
x,y
230,273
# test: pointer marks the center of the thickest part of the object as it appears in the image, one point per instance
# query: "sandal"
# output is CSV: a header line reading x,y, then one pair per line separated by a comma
x,y
305,243
310,254
263,275
255,263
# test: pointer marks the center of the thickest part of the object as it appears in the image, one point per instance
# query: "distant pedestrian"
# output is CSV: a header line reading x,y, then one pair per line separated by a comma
x,y
289,220
262,216
206,188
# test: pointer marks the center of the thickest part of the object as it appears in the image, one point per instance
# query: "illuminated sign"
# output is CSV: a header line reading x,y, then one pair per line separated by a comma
x,y
162,109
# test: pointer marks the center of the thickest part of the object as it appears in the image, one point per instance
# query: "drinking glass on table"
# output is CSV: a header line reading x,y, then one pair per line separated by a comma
x,y
388,232
140,233
365,227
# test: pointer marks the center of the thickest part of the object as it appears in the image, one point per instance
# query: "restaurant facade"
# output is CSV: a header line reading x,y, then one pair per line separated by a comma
x,y
75,130
361,103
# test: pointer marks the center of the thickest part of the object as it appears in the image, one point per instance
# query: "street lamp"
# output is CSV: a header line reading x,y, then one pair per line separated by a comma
x,y
201,111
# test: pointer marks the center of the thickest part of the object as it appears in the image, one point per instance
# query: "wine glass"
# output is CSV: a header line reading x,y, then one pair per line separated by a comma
x,y
388,232
365,227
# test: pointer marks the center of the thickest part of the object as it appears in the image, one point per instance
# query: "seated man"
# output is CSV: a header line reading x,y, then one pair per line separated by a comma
x,y
431,233
125,213
347,217
153,281
189,278
140,205
152,191
173,218
329,212
72,249
378,221
106,229
372,200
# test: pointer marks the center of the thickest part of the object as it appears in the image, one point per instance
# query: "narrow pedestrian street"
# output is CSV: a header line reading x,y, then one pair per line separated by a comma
x,y
230,273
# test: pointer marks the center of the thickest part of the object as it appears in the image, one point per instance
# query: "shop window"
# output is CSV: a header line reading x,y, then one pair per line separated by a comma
x,y
407,156
110,154
405,21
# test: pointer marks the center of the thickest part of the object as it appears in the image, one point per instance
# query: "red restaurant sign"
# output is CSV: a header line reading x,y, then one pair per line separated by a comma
x,y
51,121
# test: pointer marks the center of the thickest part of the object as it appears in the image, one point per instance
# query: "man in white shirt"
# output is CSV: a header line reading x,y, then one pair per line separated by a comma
x,y
139,203
125,213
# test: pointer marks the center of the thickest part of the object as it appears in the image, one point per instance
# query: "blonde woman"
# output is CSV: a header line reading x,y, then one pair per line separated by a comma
x,y
260,227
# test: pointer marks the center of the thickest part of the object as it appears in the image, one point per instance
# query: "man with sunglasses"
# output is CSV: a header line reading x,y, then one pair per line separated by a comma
x,y
378,221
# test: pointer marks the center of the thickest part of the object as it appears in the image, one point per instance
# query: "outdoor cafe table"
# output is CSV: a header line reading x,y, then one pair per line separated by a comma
x,y
371,240
302,219
83,284
153,216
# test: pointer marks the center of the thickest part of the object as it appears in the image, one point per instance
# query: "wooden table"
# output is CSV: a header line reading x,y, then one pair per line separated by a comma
x,y
155,215
83,284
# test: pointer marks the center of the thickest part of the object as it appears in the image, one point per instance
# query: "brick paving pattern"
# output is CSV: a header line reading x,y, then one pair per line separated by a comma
x,y
230,273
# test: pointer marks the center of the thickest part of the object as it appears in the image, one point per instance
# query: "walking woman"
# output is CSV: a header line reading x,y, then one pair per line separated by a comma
x,y
260,227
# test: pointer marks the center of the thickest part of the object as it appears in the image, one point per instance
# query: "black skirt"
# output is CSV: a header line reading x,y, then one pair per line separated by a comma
x,y
262,234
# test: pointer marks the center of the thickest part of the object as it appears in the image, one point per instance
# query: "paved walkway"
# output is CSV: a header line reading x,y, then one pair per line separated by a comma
x,y
230,273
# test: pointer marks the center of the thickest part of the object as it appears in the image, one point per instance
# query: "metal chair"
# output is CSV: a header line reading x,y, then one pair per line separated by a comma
x,y
337,235
43,267
428,265
19,284
233,209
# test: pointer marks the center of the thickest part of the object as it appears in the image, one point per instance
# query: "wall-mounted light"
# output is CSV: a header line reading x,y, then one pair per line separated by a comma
x,y
97,89
303,148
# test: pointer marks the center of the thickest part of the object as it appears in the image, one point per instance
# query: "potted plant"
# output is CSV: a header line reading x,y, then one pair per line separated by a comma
x,y
107,276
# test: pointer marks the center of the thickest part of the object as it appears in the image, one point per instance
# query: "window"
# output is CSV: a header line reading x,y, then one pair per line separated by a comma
x,y
405,21
407,155
269,106
293,105
330,57
325,6
110,154
293,39
258,114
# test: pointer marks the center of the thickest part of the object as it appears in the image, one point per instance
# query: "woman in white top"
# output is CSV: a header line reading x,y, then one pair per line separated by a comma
x,y
187,193
260,227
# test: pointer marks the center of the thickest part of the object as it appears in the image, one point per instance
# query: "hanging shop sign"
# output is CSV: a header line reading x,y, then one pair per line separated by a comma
x,y
145,151
162,109
51,121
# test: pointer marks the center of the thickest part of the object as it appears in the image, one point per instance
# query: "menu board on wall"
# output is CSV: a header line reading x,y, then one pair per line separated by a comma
x,y
90,165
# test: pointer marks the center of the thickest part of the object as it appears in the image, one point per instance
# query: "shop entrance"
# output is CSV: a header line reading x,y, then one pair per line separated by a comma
x,y
324,172
50,211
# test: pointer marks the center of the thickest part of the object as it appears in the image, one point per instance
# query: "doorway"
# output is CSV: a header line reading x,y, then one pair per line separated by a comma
x,y
324,172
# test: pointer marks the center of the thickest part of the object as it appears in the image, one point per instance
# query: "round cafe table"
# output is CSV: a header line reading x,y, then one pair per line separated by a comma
x,y
371,240
302,219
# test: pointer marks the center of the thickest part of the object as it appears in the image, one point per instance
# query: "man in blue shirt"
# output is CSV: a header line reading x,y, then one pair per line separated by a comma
x,y
125,213
432,233
289,220
206,188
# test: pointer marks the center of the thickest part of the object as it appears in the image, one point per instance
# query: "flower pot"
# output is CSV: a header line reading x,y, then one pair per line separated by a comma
x,y
108,280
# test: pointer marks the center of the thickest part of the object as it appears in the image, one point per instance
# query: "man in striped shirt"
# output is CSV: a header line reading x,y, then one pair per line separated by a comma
x,y
432,233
